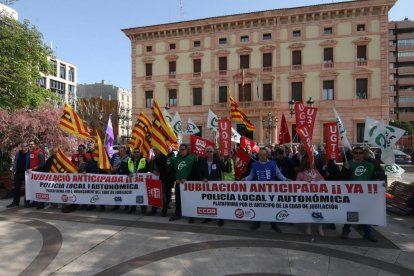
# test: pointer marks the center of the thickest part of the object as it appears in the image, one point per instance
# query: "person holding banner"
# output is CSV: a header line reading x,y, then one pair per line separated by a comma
x,y
121,167
306,173
265,170
138,164
210,168
284,164
185,167
379,173
158,166
358,169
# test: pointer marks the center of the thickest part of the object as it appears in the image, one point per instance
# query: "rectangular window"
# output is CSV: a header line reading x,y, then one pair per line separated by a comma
x,y
360,27
222,63
267,59
296,33
71,74
328,90
267,36
62,71
42,82
149,49
244,61
197,44
297,91
197,65
172,46
172,68
327,31
328,55
267,92
296,60
57,86
149,99
360,132
223,94
244,38
362,88
172,97
54,68
361,53
222,40
245,92
148,69
197,96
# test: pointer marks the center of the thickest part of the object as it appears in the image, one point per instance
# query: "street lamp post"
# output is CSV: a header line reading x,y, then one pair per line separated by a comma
x,y
270,122
310,102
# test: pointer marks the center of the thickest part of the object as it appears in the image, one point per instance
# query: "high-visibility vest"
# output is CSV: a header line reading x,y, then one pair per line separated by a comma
x,y
131,165
229,175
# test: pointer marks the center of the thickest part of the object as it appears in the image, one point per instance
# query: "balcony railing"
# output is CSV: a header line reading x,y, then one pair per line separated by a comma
x,y
222,72
196,74
328,64
148,78
267,69
362,62
172,75
297,67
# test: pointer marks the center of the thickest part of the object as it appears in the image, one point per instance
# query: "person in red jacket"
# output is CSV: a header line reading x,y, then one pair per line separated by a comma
x,y
36,161
81,152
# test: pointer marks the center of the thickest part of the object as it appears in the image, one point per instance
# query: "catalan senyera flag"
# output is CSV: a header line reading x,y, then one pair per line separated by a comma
x,y
237,114
62,164
162,134
100,154
141,134
70,122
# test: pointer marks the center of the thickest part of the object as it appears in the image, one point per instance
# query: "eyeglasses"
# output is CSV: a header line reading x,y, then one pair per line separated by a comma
x,y
181,149
136,151
357,152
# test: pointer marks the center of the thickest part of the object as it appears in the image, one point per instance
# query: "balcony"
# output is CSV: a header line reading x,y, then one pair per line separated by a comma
x,y
172,75
196,74
362,62
297,67
328,64
148,78
222,72
267,69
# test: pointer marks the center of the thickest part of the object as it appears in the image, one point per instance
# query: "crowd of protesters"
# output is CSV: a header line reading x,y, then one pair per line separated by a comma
x,y
285,163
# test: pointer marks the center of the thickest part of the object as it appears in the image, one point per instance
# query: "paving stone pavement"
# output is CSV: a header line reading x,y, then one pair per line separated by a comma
x,y
49,242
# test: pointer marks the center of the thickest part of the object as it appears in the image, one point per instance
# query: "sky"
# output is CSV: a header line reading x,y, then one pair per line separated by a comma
x,y
87,33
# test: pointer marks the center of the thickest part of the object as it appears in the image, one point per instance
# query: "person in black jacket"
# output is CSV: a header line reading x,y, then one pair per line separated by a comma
x,y
209,169
284,164
158,166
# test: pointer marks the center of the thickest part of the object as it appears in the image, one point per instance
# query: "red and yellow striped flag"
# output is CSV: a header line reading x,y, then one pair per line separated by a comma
x,y
162,134
70,122
100,154
62,164
237,114
141,135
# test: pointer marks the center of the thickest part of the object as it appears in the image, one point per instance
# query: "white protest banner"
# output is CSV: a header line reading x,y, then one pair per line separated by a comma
x,y
354,202
100,189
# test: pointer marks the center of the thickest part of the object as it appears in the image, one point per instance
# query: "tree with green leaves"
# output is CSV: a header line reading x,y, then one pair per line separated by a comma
x,y
404,125
23,58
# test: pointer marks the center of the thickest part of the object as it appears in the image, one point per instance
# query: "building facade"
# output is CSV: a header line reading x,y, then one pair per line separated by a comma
x,y
116,98
335,55
62,80
401,46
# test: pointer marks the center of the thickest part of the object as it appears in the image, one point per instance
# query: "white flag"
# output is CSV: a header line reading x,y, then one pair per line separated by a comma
x,y
168,116
385,137
393,172
212,120
191,127
369,124
176,123
235,136
342,131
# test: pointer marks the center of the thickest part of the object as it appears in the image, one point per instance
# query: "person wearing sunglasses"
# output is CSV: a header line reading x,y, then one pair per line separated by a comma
x,y
358,169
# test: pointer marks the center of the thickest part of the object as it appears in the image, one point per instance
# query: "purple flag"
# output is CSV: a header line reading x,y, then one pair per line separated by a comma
x,y
110,137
